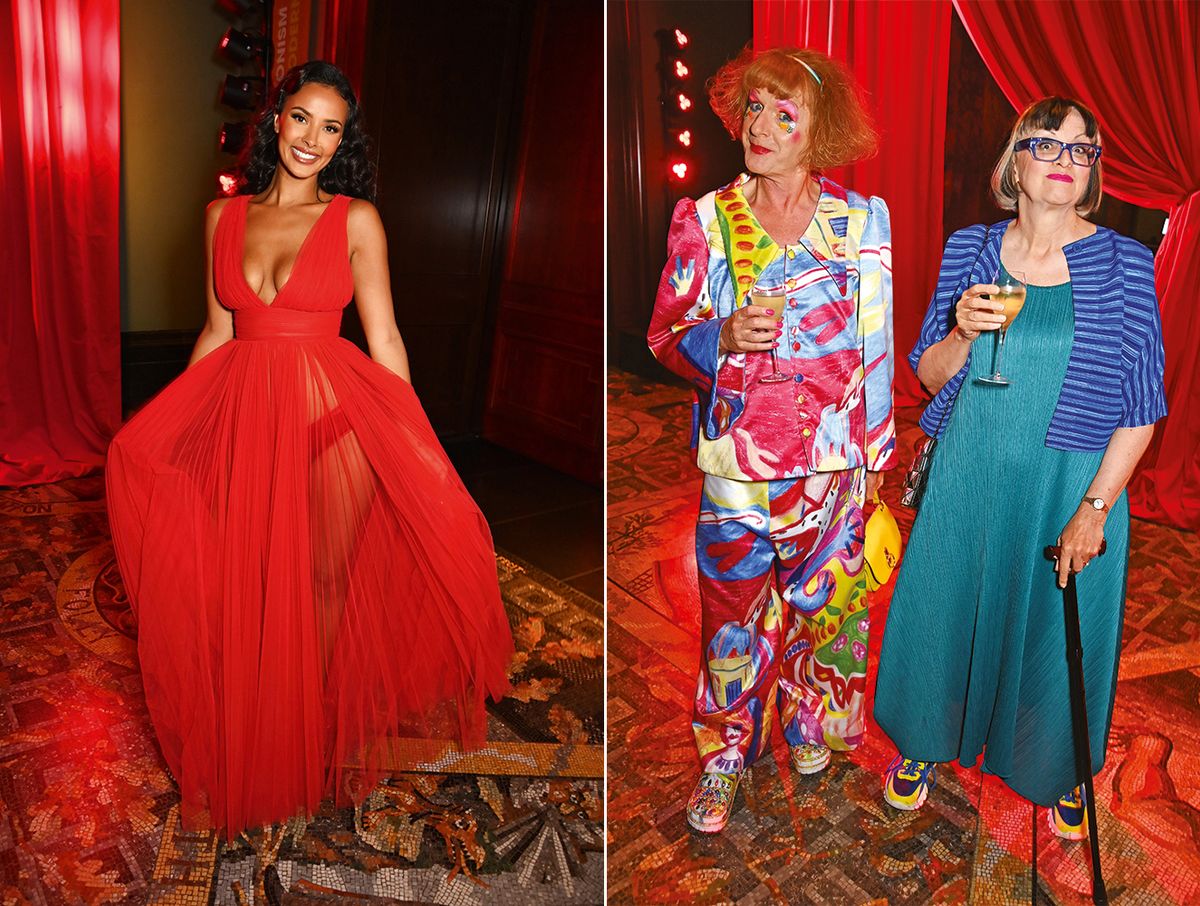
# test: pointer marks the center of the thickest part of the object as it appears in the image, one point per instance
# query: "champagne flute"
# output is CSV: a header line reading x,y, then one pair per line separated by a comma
x,y
1012,297
774,299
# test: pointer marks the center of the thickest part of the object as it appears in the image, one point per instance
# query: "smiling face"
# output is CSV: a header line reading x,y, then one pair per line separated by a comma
x,y
1061,182
310,129
774,133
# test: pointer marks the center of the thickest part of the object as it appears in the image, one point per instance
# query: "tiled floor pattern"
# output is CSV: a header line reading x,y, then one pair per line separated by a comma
x,y
89,813
829,839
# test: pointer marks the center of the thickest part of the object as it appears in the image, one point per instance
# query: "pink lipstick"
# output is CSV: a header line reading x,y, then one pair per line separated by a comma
x,y
1061,177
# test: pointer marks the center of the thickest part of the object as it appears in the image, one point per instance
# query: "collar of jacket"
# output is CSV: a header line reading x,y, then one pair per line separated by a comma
x,y
749,248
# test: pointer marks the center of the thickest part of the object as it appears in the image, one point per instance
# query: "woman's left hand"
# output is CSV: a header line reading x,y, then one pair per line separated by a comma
x,y
1079,542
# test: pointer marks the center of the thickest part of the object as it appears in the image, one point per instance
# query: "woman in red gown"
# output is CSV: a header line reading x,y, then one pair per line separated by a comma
x,y
307,570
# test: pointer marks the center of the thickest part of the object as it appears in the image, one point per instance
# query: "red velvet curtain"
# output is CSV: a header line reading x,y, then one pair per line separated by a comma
x,y
343,37
60,338
900,54
1134,65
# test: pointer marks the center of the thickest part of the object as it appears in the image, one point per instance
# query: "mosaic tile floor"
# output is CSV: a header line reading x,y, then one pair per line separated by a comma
x,y
89,813
829,839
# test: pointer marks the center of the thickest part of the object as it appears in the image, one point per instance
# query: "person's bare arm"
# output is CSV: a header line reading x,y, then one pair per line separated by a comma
x,y
218,324
1082,535
373,288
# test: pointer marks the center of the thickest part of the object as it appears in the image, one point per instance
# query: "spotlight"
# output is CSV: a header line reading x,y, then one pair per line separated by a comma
x,y
227,182
685,138
681,70
680,38
685,102
679,170
239,47
234,137
242,92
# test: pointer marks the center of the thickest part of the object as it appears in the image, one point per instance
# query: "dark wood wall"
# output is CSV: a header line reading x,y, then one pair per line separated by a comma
x,y
442,108
544,393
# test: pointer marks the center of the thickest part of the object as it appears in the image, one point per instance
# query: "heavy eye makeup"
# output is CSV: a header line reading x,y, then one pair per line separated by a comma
x,y
786,116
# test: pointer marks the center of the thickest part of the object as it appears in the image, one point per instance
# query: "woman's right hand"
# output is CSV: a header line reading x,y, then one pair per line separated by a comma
x,y
754,328
975,314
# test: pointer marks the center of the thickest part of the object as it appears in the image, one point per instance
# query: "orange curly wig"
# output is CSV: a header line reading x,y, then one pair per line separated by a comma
x,y
840,130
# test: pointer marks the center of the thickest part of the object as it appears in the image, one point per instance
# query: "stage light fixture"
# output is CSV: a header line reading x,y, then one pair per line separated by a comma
x,y
227,182
234,137
239,47
242,92
678,107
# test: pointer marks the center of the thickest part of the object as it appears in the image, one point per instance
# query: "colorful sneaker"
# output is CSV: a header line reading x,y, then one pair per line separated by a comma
x,y
1068,816
908,782
712,800
810,758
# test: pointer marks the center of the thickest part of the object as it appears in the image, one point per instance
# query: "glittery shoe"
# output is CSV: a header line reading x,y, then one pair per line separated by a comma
x,y
810,758
1068,816
908,782
712,800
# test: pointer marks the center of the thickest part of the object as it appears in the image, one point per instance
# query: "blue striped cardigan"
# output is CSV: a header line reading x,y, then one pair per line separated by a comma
x,y
1115,373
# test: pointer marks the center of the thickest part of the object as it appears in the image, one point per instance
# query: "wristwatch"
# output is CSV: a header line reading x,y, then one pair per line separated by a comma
x,y
1096,503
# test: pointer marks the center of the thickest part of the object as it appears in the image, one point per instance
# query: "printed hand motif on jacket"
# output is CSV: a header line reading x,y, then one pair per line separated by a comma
x,y
836,411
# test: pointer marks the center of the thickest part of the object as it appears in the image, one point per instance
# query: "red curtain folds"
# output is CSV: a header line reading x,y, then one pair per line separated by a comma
x,y
343,37
907,92
1134,65
59,170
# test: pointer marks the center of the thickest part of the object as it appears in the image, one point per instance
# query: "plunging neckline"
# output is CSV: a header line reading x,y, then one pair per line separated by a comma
x,y
295,261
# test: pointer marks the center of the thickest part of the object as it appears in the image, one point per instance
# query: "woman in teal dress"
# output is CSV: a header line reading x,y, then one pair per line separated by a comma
x,y
973,661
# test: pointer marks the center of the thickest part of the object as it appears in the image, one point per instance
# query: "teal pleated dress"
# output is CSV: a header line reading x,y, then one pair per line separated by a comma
x,y
974,654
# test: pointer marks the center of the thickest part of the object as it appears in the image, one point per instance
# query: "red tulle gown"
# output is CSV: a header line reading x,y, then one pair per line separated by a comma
x,y
307,570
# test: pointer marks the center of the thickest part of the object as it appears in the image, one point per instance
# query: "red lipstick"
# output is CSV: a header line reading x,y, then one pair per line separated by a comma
x,y
759,149
1061,177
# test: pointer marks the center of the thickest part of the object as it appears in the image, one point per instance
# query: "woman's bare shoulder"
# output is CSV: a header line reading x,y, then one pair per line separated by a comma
x,y
213,212
363,222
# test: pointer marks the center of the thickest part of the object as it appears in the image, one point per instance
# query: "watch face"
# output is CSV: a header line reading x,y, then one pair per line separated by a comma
x,y
1097,503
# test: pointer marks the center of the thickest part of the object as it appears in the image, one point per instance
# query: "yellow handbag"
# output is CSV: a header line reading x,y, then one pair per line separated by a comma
x,y
881,550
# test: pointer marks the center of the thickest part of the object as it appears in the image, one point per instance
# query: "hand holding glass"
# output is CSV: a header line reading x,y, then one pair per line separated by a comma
x,y
1012,299
774,299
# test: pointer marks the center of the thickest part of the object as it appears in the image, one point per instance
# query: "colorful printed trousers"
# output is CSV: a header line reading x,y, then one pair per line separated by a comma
x,y
797,644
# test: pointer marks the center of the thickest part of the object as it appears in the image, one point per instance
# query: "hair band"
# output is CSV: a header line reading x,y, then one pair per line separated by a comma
x,y
812,72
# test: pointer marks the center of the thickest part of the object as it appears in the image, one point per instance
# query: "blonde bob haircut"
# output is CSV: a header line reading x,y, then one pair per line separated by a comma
x,y
840,130
1039,117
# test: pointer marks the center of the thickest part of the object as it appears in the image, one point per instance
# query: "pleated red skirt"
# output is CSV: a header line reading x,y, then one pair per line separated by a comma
x,y
308,573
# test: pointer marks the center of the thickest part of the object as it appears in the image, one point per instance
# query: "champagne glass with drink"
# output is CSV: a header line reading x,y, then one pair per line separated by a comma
x,y
1012,297
774,299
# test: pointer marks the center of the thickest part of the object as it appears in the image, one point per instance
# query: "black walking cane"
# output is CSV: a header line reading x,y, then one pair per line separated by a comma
x,y
1079,726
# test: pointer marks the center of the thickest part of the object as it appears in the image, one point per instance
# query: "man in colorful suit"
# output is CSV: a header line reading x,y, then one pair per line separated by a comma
x,y
793,418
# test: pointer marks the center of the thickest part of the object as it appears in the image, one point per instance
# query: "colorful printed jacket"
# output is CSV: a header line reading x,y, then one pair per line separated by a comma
x,y
836,412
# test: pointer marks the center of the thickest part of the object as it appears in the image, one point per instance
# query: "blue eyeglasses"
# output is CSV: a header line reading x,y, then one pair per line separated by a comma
x,y
1051,149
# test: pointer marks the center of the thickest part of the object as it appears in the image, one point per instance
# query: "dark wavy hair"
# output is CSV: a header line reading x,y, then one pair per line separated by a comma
x,y
349,172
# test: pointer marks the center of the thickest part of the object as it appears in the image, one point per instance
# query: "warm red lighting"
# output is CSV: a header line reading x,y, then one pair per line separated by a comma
x,y
680,170
228,182
681,70
680,38
685,138
225,41
685,102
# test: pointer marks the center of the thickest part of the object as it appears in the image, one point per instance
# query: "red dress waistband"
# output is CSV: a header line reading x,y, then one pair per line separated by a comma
x,y
270,323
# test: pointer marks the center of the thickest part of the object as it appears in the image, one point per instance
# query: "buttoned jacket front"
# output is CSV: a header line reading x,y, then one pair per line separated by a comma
x,y
835,411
